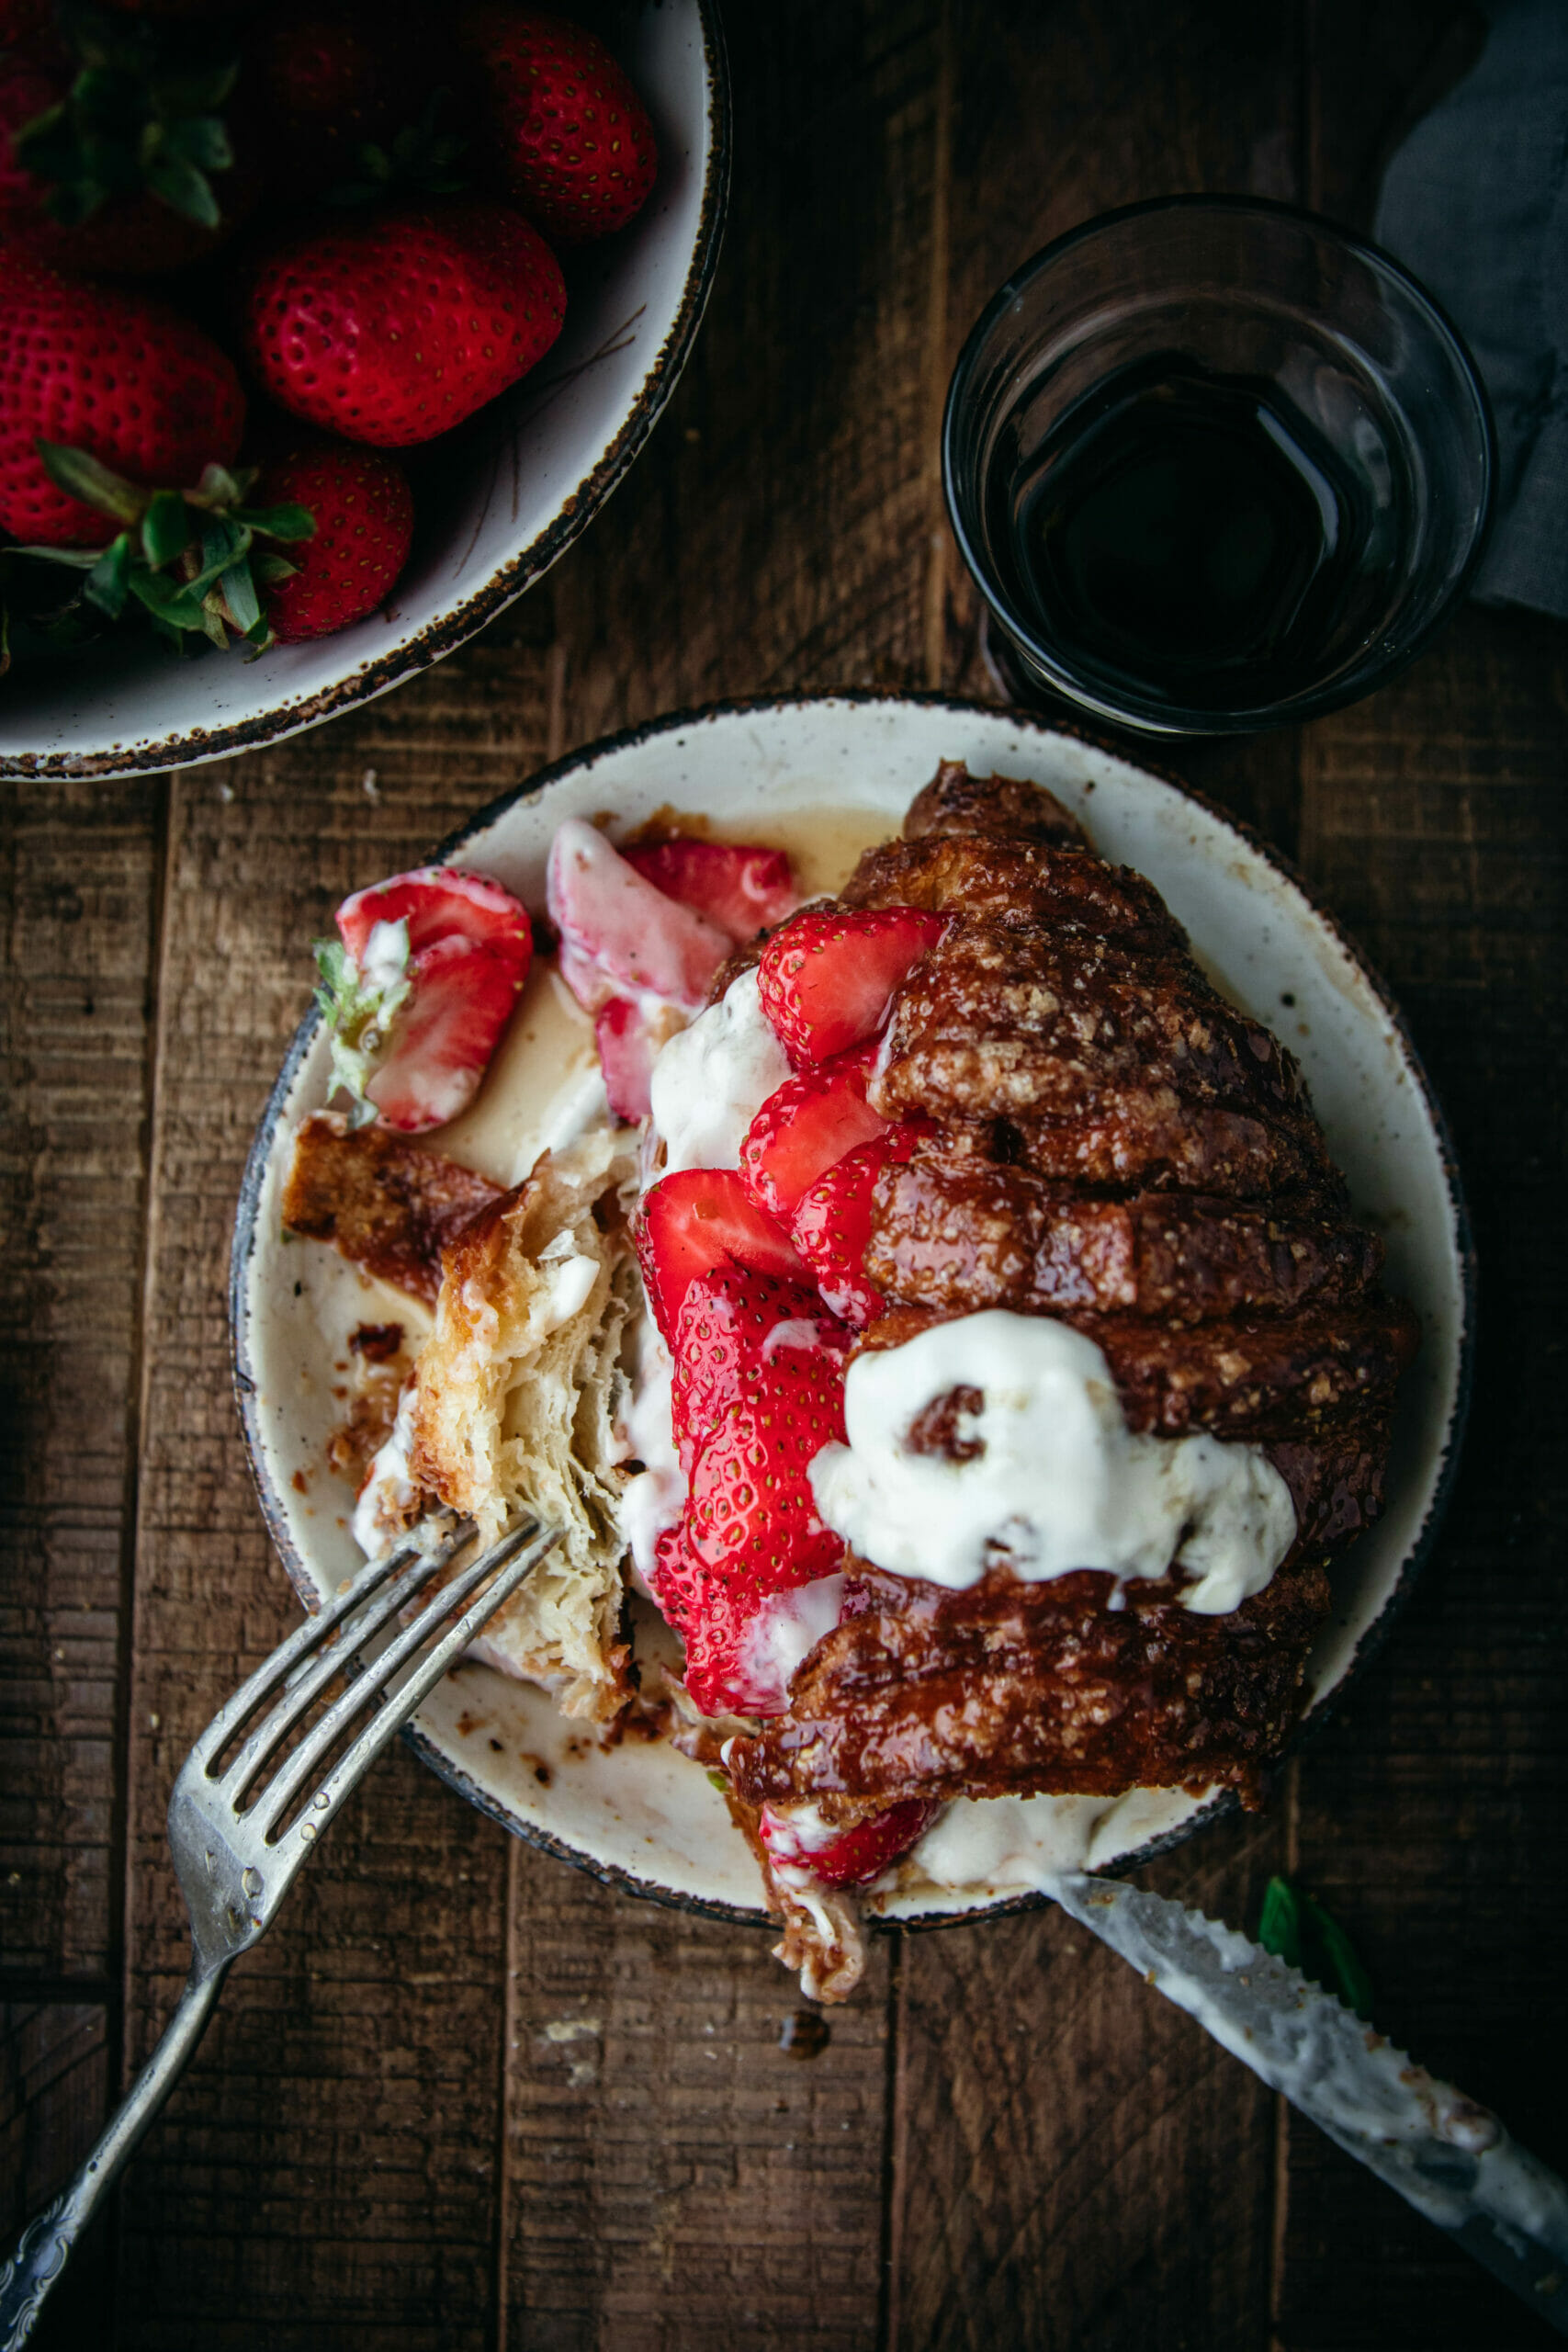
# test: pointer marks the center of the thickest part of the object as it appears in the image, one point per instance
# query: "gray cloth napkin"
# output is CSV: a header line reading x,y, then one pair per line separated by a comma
x,y
1476,203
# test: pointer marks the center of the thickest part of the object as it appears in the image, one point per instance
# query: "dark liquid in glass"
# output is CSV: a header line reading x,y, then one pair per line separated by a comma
x,y
1190,534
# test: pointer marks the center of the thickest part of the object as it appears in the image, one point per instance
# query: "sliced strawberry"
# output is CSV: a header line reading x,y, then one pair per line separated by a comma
x,y
439,902
626,1047
732,1324
847,1857
702,1218
805,1128
827,978
752,1513
749,1530
442,1038
620,936
417,995
741,889
831,1228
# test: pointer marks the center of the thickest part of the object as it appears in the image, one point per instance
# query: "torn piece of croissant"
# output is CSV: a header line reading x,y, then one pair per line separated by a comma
x,y
515,1408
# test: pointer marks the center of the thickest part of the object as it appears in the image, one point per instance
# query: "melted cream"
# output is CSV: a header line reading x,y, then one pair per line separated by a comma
x,y
543,1090
785,1628
1059,1483
653,1497
710,1081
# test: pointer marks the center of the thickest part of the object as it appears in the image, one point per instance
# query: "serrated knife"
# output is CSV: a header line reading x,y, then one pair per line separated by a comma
x,y
1444,2154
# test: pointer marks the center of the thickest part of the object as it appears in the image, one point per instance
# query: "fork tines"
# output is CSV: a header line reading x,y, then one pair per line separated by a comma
x,y
391,1683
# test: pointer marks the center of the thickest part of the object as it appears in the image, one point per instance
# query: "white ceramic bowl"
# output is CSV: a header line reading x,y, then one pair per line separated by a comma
x,y
495,507
641,1814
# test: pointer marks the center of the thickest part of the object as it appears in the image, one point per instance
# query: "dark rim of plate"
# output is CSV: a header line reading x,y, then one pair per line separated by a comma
x,y
1168,723
519,573
247,1211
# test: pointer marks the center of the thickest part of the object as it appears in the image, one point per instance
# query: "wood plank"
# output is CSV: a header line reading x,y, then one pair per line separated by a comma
x,y
80,866
54,2075
1432,1808
678,2182
1079,2166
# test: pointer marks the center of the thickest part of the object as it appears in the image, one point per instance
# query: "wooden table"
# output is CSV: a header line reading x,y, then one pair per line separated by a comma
x,y
463,2097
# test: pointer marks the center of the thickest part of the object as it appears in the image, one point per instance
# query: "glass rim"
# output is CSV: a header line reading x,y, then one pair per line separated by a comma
x,y
1373,670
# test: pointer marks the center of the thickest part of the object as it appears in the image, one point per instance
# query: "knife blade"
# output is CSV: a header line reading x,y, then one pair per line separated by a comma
x,y
1444,2154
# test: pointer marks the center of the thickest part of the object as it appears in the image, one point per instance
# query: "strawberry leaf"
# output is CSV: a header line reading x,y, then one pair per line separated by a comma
x,y
278,522
165,528
140,114
185,190
219,487
201,142
109,584
1279,1928
1339,1968
359,1014
423,160
1298,1929
239,595
81,476
271,571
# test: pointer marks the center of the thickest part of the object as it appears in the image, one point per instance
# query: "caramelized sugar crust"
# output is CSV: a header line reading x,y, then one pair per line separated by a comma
x,y
1106,1140
375,1195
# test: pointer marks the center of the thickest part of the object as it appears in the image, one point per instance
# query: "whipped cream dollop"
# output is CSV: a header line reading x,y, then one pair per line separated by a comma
x,y
1035,1470
710,1081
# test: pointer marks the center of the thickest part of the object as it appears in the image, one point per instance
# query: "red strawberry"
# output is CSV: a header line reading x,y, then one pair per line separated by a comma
x,y
440,902
751,1529
752,1513
444,1038
621,937
111,372
364,514
827,978
325,80
846,1856
394,328
805,1128
732,1324
417,1015
114,156
741,890
627,1044
571,140
832,1227
698,1220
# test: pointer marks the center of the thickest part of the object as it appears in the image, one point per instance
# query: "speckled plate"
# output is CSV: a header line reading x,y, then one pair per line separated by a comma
x,y
822,778
496,501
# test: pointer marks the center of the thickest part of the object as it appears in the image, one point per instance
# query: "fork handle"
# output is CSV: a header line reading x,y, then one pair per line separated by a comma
x,y
45,2245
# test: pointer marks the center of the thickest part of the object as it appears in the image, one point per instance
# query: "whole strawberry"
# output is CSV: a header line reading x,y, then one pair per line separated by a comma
x,y
109,371
569,139
115,156
325,79
394,328
363,516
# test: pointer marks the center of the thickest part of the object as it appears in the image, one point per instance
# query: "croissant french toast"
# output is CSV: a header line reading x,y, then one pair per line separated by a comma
x,y
1113,1146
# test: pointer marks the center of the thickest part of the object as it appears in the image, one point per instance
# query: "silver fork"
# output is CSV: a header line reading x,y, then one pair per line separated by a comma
x,y
236,1849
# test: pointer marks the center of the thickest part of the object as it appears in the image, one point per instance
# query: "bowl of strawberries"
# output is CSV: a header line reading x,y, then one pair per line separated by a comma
x,y
323,331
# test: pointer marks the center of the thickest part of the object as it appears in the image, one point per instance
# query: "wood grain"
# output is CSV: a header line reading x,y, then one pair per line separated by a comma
x,y
1432,1808
80,866
678,2182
